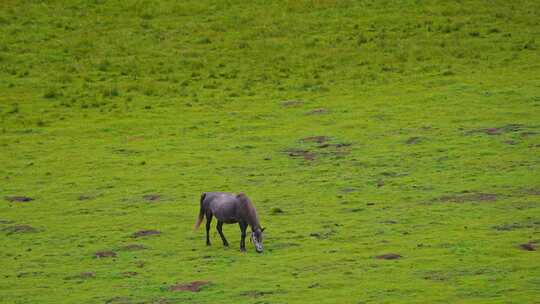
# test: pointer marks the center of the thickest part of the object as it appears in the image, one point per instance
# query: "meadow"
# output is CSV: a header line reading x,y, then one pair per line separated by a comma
x,y
392,149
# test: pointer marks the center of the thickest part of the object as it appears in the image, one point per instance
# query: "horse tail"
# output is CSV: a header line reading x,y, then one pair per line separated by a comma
x,y
201,213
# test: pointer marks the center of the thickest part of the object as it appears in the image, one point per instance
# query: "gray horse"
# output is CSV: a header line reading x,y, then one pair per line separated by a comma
x,y
229,209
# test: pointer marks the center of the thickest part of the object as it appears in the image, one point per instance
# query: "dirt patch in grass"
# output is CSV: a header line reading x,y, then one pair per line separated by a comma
x,y
468,197
152,197
317,139
306,155
5,221
436,276
516,226
527,134
128,152
318,111
105,254
194,286
18,199
292,103
30,274
82,276
86,197
276,210
129,274
528,246
323,235
388,256
256,293
535,191
353,210
142,233
119,300
322,142
133,247
135,138
338,145
507,227
413,140
16,229
284,245
498,130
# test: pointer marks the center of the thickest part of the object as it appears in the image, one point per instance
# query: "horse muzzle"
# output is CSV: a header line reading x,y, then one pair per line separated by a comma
x,y
258,248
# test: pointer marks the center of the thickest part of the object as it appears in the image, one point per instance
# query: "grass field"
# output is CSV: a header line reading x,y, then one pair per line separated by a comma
x,y
360,129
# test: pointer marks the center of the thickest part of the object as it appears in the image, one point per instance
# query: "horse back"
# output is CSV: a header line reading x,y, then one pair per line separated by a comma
x,y
222,205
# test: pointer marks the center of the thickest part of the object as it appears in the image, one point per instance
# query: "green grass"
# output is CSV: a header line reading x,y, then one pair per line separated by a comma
x,y
437,104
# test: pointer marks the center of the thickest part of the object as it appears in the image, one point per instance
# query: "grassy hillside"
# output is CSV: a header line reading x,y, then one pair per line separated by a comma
x,y
360,129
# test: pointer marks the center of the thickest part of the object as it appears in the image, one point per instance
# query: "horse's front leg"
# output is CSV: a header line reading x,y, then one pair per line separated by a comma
x,y
220,230
243,227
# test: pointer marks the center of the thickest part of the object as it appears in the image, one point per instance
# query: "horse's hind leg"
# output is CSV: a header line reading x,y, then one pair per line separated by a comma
x,y
208,221
220,230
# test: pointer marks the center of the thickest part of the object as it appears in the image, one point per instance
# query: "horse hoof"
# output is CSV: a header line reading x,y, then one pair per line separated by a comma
x,y
242,249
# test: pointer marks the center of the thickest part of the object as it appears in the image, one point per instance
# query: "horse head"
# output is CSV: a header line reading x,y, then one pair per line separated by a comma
x,y
257,239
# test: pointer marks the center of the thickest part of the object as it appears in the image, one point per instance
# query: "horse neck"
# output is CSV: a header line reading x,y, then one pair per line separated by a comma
x,y
254,224
251,216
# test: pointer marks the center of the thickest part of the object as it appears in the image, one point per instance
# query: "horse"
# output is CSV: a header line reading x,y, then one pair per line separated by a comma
x,y
229,209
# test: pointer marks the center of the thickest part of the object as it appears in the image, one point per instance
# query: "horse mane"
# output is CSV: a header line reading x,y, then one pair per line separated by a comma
x,y
251,212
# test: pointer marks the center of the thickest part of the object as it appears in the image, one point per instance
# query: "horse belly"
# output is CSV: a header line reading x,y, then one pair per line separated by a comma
x,y
224,216
230,221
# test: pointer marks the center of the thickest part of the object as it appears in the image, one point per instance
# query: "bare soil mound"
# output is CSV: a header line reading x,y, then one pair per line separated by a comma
x,y
105,254
194,286
143,233
152,197
18,199
19,229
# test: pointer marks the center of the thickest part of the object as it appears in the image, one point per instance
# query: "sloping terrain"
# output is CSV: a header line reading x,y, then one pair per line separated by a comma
x,y
392,149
